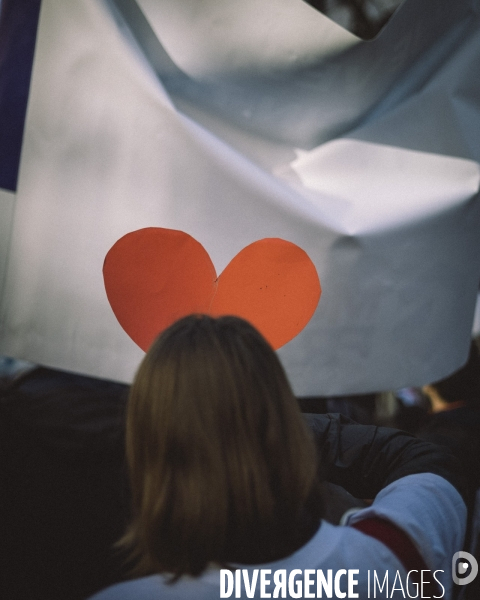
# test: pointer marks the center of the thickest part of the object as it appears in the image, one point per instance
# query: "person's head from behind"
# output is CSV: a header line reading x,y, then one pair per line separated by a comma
x,y
222,467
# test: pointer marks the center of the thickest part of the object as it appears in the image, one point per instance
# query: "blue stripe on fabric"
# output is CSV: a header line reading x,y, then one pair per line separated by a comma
x,y
18,32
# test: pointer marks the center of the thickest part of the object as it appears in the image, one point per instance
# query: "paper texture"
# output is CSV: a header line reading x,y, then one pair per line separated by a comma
x,y
155,276
235,122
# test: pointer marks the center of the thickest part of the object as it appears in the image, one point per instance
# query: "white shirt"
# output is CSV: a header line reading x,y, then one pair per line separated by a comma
x,y
425,506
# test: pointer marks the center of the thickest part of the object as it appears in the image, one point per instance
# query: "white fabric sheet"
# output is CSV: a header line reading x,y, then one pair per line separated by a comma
x,y
238,121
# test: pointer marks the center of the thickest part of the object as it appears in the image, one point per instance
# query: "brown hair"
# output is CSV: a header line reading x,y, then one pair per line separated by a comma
x,y
222,467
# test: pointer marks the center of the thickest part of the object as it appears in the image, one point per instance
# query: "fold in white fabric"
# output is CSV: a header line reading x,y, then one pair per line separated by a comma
x,y
238,121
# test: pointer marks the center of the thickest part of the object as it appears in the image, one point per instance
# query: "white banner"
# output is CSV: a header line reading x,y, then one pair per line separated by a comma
x,y
238,121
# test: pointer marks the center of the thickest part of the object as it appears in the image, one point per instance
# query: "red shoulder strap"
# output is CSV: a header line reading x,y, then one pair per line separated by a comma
x,y
402,546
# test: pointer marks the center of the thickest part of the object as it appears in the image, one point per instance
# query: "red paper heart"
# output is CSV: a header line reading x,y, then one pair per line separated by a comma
x,y
155,276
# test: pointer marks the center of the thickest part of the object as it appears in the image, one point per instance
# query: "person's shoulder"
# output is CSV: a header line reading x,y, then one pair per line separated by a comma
x,y
411,501
429,510
340,547
423,490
